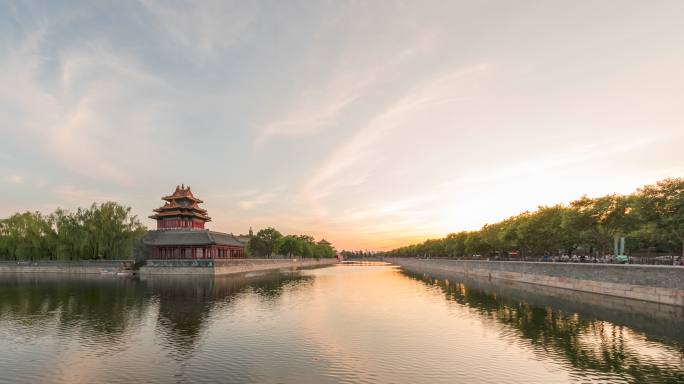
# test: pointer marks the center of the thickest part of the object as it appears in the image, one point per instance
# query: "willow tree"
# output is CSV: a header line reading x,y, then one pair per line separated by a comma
x,y
106,231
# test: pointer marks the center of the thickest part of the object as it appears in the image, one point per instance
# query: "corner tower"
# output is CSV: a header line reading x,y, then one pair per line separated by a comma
x,y
181,210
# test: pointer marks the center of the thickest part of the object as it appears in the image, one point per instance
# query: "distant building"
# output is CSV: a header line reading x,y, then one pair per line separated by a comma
x,y
325,242
180,232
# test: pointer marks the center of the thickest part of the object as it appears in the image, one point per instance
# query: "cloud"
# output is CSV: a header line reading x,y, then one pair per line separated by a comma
x,y
551,161
75,196
353,77
349,164
319,106
256,200
94,116
307,116
366,123
15,179
206,29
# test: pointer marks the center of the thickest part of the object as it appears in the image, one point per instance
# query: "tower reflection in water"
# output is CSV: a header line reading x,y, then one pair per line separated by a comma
x,y
104,311
186,304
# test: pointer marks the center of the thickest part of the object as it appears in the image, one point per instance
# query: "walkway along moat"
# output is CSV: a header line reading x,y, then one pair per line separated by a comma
x,y
658,284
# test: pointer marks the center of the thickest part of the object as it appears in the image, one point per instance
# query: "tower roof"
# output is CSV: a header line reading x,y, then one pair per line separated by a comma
x,y
190,237
182,192
181,204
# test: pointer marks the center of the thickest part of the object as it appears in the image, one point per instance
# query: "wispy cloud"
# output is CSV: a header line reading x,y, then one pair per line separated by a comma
x,y
207,30
85,119
73,196
256,200
313,112
350,156
319,106
325,102
15,179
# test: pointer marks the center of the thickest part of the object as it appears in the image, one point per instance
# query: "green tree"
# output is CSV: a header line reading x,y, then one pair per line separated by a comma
x,y
289,246
106,231
651,218
258,247
606,218
663,205
270,237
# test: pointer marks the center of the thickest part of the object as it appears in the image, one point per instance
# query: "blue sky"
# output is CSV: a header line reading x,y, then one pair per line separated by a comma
x,y
372,124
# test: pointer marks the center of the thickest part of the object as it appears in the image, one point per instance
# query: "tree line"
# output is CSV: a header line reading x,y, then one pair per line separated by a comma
x,y
106,231
268,242
651,219
347,255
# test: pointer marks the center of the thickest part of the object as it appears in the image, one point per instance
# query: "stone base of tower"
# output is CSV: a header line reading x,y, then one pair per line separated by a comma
x,y
227,267
192,244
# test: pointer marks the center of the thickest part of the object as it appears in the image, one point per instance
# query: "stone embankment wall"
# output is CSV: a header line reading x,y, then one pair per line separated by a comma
x,y
658,284
74,267
226,267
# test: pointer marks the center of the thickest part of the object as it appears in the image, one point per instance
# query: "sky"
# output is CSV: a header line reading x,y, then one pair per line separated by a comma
x,y
373,124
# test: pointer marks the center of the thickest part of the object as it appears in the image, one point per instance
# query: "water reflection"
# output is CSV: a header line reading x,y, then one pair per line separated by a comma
x,y
104,309
586,343
186,304
371,324
98,309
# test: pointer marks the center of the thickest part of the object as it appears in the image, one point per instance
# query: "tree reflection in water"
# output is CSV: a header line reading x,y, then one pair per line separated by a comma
x,y
102,311
97,309
583,342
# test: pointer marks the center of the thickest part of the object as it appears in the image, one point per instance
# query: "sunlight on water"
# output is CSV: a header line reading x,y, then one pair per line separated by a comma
x,y
345,324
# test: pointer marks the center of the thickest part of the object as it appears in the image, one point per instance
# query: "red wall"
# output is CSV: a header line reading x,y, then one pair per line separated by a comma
x,y
178,223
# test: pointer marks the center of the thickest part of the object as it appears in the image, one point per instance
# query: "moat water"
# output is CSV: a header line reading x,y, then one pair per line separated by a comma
x,y
341,324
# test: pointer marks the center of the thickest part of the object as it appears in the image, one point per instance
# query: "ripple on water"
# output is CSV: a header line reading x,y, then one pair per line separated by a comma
x,y
334,325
